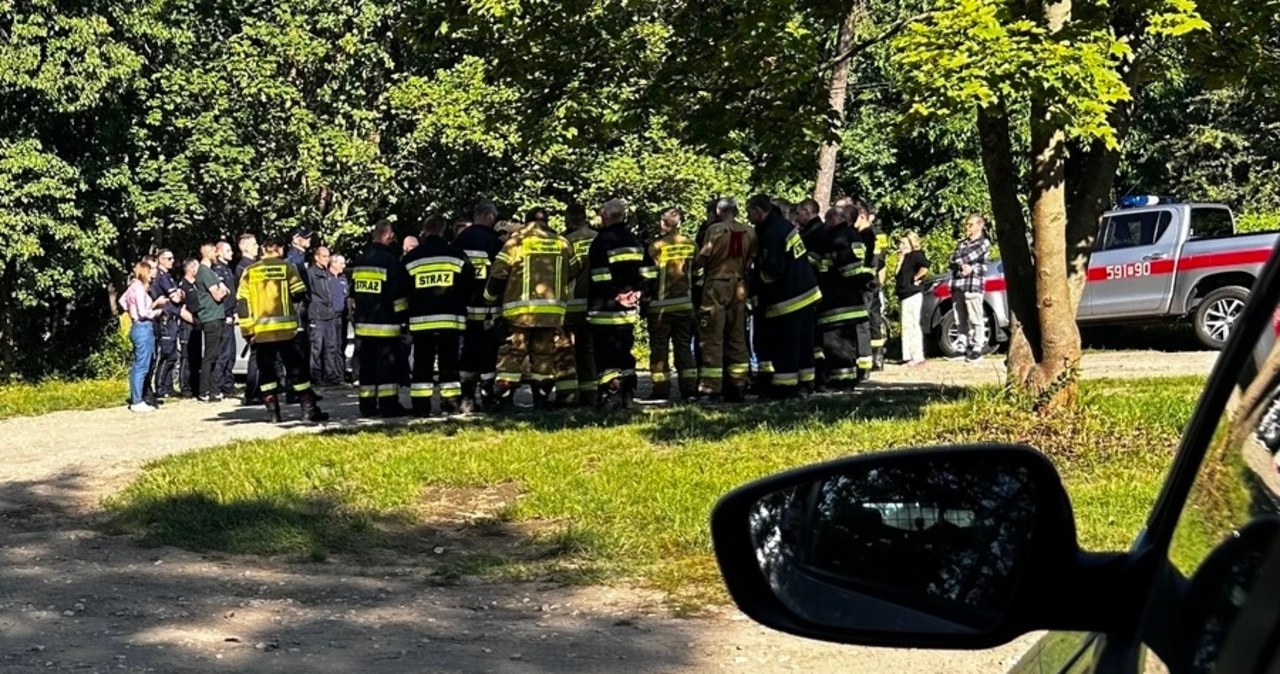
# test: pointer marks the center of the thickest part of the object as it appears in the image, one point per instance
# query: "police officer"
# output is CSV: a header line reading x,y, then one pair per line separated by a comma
x,y
841,310
615,259
723,263
532,278
270,292
480,341
227,353
327,367
580,389
167,325
440,280
380,287
864,283
788,293
669,308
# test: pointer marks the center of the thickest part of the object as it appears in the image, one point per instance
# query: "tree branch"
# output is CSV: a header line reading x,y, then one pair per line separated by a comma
x,y
893,29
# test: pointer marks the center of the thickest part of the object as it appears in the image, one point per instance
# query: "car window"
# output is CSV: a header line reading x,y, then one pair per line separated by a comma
x,y
1211,223
1232,514
1130,230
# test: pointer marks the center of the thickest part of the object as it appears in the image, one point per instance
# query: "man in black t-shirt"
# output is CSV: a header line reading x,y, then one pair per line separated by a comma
x,y
190,340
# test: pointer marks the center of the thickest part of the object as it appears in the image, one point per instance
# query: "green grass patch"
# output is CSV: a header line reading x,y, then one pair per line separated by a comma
x,y
24,400
587,498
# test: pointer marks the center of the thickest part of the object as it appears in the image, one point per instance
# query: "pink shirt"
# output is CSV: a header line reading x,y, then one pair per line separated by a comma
x,y
137,302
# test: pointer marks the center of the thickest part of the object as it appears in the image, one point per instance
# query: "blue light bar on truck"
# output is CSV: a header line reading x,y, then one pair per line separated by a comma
x,y
1138,201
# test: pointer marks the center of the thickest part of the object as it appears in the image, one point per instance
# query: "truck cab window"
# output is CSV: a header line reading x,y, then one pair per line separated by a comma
x,y
1129,230
1210,223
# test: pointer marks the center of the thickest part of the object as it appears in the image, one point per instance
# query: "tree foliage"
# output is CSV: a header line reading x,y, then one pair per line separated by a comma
x,y
125,126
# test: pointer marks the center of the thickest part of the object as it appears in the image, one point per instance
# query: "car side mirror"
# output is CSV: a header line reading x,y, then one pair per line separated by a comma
x,y
958,547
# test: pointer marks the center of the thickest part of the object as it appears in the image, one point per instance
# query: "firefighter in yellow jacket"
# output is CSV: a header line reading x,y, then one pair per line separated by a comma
x,y
532,277
267,302
581,389
669,309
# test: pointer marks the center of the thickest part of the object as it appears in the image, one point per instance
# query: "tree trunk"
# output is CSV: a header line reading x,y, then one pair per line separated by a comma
x,y
1044,353
1053,378
837,93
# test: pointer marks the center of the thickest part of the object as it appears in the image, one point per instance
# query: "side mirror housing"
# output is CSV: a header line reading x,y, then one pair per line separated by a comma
x,y
958,547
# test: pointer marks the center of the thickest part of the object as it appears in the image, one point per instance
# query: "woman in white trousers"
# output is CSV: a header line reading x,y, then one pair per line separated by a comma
x,y
912,269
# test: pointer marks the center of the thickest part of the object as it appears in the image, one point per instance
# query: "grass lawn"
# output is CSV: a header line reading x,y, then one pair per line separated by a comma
x,y
578,496
23,400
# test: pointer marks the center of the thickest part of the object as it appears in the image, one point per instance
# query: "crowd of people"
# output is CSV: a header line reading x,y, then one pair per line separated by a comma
x,y
788,302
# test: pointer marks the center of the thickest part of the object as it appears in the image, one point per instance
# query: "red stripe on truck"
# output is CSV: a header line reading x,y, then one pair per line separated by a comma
x,y
993,285
1235,258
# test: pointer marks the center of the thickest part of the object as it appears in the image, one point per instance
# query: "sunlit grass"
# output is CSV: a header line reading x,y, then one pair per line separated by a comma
x,y
631,498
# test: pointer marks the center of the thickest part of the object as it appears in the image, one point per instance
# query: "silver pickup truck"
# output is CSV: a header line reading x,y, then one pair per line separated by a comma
x,y
1151,264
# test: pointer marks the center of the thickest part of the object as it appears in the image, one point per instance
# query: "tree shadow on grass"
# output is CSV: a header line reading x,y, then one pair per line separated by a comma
x,y
668,423
873,401
75,596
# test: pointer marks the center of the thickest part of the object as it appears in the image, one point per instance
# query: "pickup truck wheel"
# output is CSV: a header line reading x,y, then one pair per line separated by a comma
x,y
949,336
1217,314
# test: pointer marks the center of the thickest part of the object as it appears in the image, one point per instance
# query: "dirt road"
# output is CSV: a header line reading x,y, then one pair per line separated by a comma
x,y
75,599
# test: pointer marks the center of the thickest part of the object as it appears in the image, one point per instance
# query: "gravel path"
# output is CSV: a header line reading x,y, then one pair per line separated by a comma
x,y
75,599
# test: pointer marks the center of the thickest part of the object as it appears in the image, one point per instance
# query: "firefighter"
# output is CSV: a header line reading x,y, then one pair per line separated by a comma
x,y
533,276
879,326
864,283
669,309
267,302
379,287
580,389
813,233
723,262
841,310
440,280
788,293
615,259
479,363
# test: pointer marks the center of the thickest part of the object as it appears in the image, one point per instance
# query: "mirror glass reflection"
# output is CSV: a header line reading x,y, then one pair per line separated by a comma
x,y
925,545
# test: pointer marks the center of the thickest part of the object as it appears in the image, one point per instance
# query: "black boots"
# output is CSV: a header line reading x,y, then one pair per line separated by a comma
x,y
272,404
310,410
877,359
421,407
389,407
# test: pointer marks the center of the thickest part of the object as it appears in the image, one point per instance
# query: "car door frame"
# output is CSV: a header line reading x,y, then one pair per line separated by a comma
x,y
1123,652
1137,280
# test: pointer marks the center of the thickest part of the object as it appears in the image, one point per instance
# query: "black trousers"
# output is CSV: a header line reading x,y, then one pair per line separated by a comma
x,y
428,346
191,345
251,389
842,346
285,353
378,377
789,345
326,352
227,360
479,353
614,361
875,308
169,350
212,332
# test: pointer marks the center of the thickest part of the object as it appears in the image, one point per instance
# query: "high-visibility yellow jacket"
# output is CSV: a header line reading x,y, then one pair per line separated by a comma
x,y
669,272
580,239
266,300
534,277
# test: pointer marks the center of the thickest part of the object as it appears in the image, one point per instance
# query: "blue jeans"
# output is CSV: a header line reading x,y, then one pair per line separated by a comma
x,y
143,336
